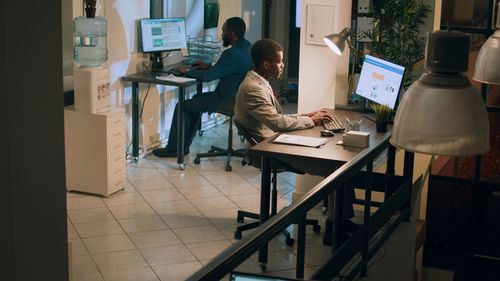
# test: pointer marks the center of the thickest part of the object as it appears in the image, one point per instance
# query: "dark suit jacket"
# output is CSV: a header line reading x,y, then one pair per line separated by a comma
x,y
231,68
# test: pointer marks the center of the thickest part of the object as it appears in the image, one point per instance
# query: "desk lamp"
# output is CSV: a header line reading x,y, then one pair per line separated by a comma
x,y
488,61
441,113
336,43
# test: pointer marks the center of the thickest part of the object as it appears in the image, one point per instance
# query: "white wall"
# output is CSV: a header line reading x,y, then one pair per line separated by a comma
x,y
123,56
322,74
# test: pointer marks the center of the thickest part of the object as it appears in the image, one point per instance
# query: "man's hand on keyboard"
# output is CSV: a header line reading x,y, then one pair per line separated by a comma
x,y
319,116
183,68
201,65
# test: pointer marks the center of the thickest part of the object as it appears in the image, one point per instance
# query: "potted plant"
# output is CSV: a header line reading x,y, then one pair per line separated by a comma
x,y
382,116
396,35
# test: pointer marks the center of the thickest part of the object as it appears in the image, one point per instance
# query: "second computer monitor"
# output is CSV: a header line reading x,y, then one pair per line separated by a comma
x,y
163,35
380,81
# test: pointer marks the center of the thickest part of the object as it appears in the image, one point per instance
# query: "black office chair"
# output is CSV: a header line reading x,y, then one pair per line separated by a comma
x,y
229,152
276,167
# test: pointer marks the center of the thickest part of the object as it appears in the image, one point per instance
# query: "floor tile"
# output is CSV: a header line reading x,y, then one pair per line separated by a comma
x,y
133,274
246,200
84,264
208,250
188,181
72,234
224,178
124,198
241,188
221,216
105,244
132,211
164,195
199,192
142,224
155,238
199,234
84,202
173,207
187,219
155,183
167,255
176,272
96,276
78,248
90,215
119,260
213,203
100,228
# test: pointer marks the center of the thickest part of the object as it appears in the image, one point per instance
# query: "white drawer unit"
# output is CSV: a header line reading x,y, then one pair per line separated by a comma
x,y
95,151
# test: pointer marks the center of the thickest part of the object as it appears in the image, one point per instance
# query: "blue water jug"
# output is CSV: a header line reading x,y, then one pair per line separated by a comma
x,y
90,40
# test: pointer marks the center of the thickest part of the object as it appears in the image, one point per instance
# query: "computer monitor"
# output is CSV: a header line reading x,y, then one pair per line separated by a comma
x,y
162,35
380,81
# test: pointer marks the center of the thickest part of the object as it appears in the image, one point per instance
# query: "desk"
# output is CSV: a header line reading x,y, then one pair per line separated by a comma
x,y
330,155
150,78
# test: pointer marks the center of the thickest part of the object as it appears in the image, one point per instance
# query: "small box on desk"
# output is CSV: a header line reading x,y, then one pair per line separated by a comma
x,y
355,138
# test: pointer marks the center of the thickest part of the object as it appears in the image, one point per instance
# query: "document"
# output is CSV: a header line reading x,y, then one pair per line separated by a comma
x,y
300,140
174,78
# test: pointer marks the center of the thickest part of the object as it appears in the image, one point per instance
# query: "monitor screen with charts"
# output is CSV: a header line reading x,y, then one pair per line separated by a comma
x,y
161,35
380,81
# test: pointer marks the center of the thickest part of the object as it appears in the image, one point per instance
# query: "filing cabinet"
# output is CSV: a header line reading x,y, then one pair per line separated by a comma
x,y
95,151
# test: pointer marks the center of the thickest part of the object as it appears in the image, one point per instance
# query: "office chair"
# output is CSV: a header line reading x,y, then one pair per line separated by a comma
x,y
229,152
276,167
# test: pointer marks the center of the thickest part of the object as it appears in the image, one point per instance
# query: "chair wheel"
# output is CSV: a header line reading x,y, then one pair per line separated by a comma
x,y
229,168
237,235
289,241
240,219
316,228
263,266
196,160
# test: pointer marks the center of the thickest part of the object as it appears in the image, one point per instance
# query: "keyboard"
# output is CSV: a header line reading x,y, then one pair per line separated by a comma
x,y
333,125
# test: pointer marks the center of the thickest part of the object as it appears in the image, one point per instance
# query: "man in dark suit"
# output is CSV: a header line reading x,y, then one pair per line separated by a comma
x,y
230,69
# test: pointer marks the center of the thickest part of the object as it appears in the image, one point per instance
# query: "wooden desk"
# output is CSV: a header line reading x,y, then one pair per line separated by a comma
x,y
330,155
150,78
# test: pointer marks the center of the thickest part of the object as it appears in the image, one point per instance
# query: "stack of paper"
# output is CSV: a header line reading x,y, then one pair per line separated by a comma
x,y
300,140
173,78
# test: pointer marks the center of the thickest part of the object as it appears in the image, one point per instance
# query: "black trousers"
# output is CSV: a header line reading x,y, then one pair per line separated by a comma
x,y
193,108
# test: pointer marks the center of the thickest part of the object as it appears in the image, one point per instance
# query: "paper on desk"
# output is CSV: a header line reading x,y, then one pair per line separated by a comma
x,y
300,140
173,78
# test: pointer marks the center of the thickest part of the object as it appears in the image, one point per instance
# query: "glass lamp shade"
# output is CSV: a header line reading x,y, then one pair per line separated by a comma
x,y
336,42
441,120
487,69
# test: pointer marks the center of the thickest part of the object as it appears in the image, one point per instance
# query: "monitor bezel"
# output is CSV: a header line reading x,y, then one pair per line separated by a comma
x,y
160,19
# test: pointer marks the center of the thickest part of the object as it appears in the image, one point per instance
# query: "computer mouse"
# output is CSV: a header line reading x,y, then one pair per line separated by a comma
x,y
327,133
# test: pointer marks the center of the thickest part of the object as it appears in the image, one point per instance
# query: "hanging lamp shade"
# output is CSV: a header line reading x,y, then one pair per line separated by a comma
x,y
337,42
441,113
487,69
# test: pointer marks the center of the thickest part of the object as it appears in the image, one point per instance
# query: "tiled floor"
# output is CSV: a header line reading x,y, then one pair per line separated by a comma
x,y
167,223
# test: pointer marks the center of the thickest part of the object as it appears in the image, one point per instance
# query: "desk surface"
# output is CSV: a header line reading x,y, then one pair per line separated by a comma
x,y
150,78
330,152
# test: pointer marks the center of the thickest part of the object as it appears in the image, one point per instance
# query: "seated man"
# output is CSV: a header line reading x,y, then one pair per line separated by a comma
x,y
230,69
259,112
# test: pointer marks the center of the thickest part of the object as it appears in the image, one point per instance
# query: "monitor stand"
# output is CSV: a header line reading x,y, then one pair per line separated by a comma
x,y
157,60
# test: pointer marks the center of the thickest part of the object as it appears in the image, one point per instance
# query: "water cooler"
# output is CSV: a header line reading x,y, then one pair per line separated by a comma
x,y
94,131
91,75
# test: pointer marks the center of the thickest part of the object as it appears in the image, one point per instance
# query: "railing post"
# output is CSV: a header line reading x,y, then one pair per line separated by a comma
x,y
301,246
389,174
366,215
408,176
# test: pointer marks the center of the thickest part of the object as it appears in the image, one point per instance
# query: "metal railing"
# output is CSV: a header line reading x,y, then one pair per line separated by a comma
x,y
359,248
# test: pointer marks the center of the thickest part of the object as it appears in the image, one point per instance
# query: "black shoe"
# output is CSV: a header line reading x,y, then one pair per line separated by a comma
x,y
165,153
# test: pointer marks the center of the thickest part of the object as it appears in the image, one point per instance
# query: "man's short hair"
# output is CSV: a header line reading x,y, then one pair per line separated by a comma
x,y
236,25
265,49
